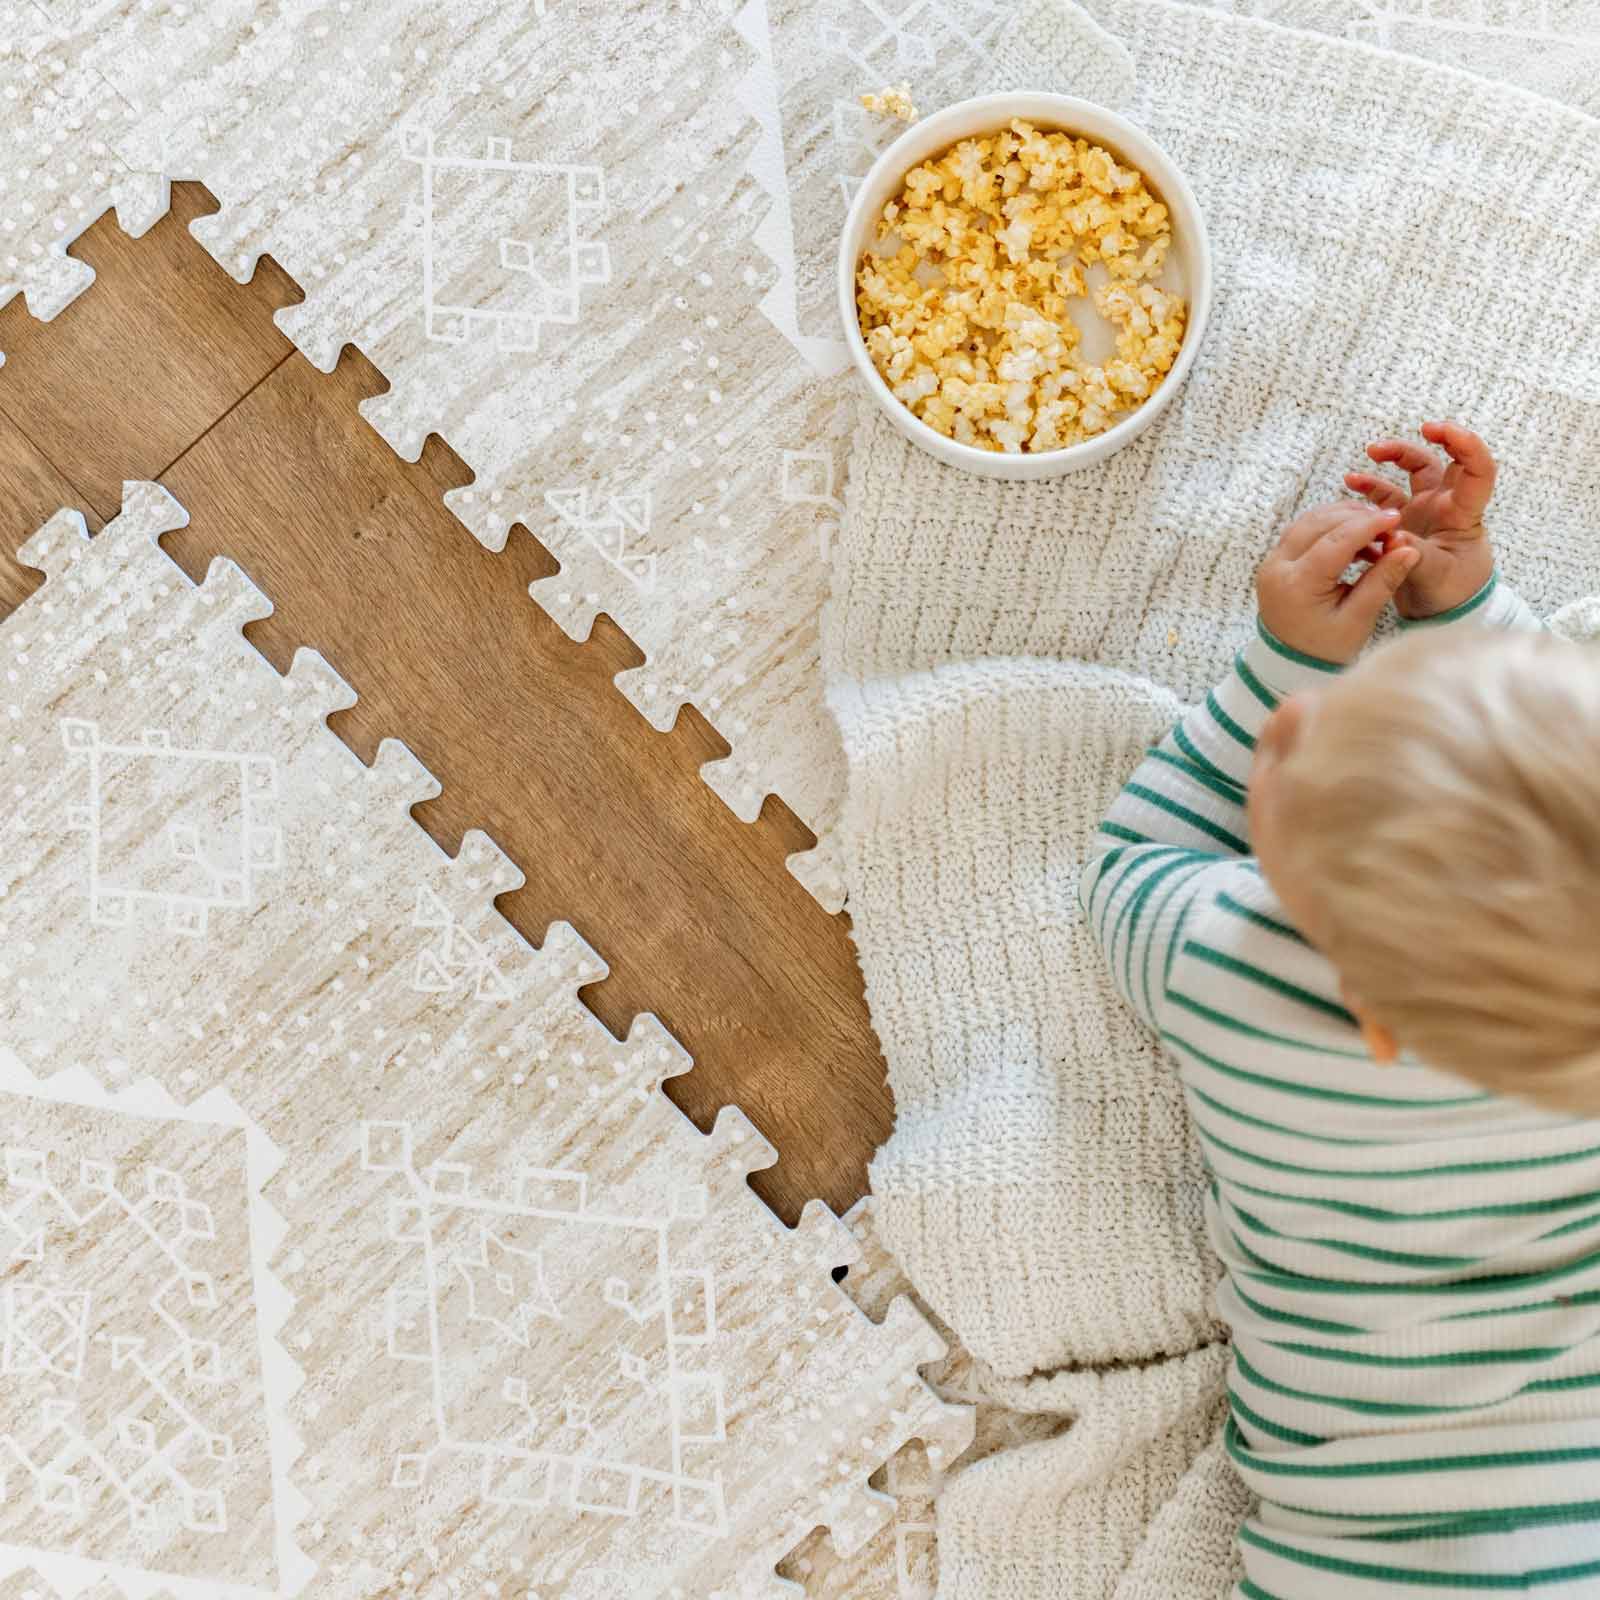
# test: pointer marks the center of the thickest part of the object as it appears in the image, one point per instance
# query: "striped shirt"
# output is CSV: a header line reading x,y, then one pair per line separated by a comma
x,y
1412,1267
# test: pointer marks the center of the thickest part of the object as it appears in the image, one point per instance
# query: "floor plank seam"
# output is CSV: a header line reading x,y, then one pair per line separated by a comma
x,y
776,816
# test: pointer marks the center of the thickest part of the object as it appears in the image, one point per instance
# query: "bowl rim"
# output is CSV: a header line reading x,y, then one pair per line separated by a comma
x,y
1169,180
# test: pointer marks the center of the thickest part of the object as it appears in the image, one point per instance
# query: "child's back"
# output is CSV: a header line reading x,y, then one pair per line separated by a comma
x,y
1412,1258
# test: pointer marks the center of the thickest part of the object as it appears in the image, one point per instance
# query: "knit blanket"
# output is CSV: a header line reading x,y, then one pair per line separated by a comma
x,y
1394,240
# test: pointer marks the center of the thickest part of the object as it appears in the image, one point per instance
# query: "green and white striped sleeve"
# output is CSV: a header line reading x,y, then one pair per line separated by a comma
x,y
1495,605
1178,832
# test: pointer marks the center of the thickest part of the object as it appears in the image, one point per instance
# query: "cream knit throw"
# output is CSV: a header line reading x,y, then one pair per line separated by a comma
x,y
1394,240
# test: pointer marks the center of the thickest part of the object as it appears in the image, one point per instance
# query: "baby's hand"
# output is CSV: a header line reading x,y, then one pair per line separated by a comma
x,y
1300,588
1443,513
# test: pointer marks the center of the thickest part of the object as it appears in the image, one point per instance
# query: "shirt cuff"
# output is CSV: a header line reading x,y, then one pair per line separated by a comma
x,y
1480,606
1282,668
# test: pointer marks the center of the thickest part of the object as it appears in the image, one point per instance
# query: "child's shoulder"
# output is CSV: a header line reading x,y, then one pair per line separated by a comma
x,y
1255,1017
1241,961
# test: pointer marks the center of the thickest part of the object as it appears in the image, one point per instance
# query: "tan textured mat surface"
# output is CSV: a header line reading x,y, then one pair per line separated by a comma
x,y
345,1251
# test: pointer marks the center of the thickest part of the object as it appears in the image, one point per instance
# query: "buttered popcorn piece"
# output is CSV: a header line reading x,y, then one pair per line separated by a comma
x,y
968,320
894,101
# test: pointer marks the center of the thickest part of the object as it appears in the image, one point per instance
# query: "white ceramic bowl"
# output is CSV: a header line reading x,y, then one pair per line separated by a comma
x,y
1188,268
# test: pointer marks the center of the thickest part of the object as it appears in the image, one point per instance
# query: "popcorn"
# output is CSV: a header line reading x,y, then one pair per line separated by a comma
x,y
892,102
967,319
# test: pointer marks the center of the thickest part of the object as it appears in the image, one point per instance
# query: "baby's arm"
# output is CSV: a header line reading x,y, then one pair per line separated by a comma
x,y
1179,830
1179,819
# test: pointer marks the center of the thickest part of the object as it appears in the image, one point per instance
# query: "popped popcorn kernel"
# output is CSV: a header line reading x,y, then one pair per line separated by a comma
x,y
894,101
968,319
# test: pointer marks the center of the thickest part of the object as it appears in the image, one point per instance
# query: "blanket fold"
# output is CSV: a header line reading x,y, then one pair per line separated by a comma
x,y
998,657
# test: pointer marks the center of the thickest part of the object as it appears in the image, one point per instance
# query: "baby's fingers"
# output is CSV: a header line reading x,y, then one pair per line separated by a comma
x,y
1410,458
1302,534
1465,447
1345,541
1381,582
1381,492
1384,543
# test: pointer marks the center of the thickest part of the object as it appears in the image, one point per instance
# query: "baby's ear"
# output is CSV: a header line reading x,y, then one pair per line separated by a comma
x,y
1381,1043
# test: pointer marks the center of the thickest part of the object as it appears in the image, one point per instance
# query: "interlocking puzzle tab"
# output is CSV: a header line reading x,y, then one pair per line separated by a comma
x,y
397,1261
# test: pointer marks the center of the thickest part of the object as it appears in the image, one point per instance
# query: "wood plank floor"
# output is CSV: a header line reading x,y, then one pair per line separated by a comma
x,y
167,369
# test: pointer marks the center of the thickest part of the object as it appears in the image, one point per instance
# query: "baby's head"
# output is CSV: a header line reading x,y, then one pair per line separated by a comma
x,y
1431,822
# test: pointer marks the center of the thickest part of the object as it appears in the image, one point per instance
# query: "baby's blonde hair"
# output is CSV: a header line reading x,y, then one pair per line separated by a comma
x,y
1446,803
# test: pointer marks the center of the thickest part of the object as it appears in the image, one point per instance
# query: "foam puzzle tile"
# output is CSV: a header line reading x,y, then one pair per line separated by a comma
x,y
564,235
824,56
62,161
901,1562
345,1251
591,244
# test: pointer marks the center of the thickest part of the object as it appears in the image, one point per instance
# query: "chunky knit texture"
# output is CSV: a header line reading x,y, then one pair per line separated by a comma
x,y
1393,241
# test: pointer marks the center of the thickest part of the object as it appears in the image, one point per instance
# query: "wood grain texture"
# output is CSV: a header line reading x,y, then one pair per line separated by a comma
x,y
414,1204
30,490
137,368
693,910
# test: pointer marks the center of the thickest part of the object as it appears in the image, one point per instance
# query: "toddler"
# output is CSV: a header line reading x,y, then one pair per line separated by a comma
x,y
1363,910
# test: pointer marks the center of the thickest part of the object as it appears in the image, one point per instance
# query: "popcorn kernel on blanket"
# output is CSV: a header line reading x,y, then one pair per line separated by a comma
x,y
895,101
982,347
